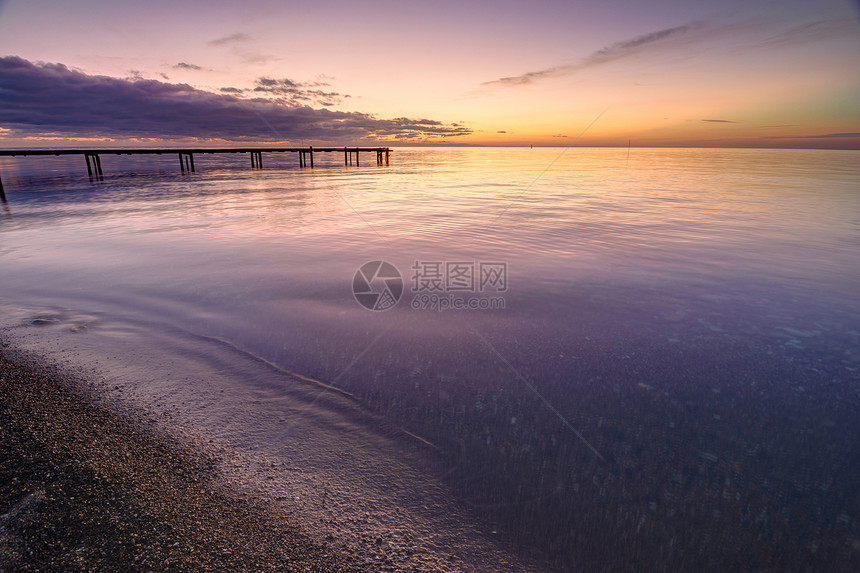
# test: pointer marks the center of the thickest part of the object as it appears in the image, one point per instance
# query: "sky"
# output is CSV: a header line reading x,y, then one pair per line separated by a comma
x,y
750,73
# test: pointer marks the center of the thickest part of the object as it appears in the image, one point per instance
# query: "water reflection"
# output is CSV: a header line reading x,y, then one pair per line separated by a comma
x,y
674,371
6,210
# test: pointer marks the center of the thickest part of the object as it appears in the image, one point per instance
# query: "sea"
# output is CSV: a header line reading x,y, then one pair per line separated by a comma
x,y
476,359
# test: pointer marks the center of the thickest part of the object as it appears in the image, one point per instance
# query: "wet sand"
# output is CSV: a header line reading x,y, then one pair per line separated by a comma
x,y
82,489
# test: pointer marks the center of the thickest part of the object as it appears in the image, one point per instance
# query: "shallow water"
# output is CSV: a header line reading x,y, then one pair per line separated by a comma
x,y
670,366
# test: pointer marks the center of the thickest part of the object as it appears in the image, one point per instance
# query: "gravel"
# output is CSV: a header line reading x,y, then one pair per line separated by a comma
x,y
83,489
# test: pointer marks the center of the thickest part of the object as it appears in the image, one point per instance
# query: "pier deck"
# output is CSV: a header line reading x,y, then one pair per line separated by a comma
x,y
186,155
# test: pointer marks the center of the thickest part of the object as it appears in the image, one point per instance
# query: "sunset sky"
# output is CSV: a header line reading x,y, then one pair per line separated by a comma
x,y
668,72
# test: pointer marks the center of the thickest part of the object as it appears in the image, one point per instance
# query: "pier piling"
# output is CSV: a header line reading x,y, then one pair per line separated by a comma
x,y
96,168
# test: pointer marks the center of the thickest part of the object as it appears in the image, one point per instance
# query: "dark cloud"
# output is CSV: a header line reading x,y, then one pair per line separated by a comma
x,y
185,66
270,84
232,91
230,40
51,99
604,55
718,121
502,131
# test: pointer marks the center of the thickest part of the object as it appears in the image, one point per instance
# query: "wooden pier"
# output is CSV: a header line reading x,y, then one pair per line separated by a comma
x,y
92,157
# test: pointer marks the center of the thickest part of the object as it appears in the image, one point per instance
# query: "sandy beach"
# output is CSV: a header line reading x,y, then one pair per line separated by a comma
x,y
83,490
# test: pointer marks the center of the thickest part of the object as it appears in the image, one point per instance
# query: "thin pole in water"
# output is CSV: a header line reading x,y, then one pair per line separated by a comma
x,y
628,154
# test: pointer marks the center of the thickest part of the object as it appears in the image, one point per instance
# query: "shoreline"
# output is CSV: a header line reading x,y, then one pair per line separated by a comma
x,y
81,488
344,487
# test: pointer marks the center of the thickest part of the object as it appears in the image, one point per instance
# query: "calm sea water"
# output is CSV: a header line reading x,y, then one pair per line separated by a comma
x,y
662,368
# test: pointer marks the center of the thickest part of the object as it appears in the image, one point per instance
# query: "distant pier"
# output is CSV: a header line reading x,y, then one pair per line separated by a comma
x,y
92,157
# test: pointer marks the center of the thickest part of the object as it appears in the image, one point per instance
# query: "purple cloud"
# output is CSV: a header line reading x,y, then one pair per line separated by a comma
x,y
51,99
294,93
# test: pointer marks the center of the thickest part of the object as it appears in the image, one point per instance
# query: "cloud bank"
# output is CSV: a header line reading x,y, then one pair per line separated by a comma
x,y
38,99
